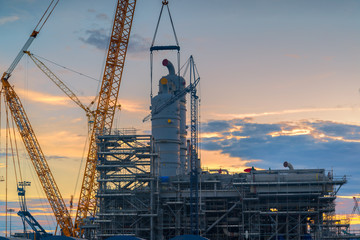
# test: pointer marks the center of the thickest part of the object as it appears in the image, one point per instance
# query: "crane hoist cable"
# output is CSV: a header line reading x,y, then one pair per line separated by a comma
x,y
162,48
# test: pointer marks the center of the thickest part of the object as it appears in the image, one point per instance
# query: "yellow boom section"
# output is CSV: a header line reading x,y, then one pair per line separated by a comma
x,y
37,158
105,111
90,114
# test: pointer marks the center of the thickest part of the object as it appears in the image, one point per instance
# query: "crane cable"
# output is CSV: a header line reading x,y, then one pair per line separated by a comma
x,y
5,165
27,44
6,179
92,102
69,69
47,15
8,133
17,151
35,179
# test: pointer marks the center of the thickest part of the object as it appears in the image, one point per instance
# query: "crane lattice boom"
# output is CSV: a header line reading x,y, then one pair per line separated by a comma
x,y
105,111
90,114
37,157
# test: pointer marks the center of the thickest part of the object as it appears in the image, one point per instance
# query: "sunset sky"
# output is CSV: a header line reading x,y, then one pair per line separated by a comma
x,y
279,82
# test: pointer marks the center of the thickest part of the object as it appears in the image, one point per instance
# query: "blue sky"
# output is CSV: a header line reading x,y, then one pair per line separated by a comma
x,y
279,81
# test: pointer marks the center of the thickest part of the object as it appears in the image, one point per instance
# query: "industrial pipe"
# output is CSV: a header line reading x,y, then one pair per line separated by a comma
x,y
288,165
230,234
169,66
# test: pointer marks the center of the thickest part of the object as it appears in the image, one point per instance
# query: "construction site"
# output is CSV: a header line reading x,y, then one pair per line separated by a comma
x,y
153,186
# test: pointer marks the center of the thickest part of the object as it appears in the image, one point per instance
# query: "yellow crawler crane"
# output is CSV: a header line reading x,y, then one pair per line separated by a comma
x,y
28,136
103,120
37,157
104,114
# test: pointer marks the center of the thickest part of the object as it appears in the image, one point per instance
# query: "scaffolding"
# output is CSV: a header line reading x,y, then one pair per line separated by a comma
x,y
288,204
263,205
279,204
127,185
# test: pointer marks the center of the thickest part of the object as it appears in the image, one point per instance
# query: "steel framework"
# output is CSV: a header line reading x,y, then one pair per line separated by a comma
x,y
127,192
194,159
263,205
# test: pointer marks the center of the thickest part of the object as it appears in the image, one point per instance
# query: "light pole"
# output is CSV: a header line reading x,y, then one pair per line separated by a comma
x,y
10,210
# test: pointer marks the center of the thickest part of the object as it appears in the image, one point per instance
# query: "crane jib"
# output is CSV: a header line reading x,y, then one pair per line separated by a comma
x,y
104,114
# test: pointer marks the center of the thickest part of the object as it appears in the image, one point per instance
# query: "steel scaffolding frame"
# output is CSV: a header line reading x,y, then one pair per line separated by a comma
x,y
288,204
253,205
127,186
261,205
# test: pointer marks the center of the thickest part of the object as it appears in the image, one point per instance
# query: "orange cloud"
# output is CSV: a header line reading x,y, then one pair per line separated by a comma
x,y
348,197
292,132
39,209
301,128
43,98
289,111
126,105
217,160
134,106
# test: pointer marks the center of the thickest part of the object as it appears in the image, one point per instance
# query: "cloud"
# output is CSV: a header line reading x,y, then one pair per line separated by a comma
x,y
215,126
43,98
55,157
102,16
138,44
217,160
96,38
352,132
71,144
4,20
99,39
49,99
133,106
289,111
306,144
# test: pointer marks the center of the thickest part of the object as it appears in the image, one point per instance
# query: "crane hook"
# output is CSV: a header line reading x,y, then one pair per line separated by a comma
x,y
165,2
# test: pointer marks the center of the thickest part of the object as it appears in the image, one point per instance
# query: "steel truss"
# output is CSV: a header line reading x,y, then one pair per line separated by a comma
x,y
127,187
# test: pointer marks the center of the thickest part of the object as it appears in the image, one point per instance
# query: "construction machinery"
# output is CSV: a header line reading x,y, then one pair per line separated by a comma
x,y
103,118
107,103
356,207
38,159
29,138
26,217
